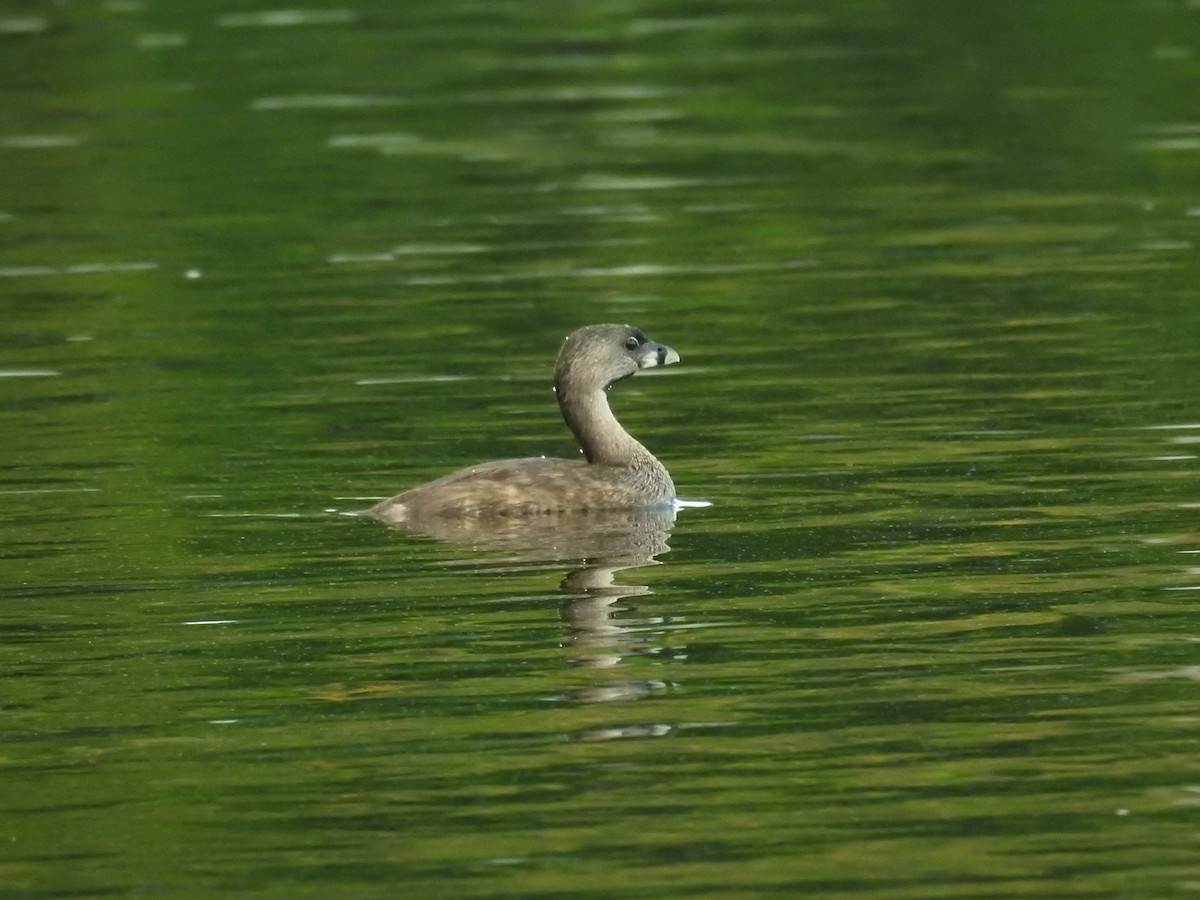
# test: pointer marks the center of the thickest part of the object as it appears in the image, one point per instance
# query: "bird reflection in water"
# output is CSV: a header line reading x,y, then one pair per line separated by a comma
x,y
602,543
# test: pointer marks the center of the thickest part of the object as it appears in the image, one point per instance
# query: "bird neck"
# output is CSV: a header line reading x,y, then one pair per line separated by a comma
x,y
601,437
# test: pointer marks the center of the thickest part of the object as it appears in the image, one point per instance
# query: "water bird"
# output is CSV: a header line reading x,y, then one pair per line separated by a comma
x,y
617,472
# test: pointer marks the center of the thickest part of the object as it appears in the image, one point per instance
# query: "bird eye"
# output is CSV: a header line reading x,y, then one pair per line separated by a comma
x,y
632,343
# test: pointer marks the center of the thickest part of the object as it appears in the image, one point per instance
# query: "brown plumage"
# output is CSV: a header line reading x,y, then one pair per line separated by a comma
x,y
617,472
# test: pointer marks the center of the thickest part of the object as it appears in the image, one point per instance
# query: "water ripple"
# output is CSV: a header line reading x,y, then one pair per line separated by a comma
x,y
78,269
325,101
40,141
287,18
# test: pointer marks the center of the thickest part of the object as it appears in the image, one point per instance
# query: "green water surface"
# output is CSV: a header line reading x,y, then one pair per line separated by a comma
x,y
931,268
